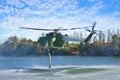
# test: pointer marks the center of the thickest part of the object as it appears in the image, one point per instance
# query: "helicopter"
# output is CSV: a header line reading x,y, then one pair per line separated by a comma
x,y
56,39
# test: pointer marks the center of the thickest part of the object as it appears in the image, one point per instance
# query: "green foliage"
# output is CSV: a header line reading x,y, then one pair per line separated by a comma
x,y
19,47
14,46
99,48
73,47
23,47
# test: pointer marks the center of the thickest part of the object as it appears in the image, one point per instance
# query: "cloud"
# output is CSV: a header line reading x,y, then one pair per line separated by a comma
x,y
53,14
15,4
37,7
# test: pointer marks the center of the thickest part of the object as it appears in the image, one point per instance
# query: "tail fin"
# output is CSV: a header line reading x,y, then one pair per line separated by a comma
x,y
91,33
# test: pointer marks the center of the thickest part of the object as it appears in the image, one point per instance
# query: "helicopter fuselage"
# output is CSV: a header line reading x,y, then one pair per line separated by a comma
x,y
52,39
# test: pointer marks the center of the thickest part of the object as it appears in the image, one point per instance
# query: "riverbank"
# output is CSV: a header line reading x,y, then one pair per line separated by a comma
x,y
23,47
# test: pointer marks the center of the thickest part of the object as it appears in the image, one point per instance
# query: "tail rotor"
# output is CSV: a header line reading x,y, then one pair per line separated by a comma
x,y
93,31
94,24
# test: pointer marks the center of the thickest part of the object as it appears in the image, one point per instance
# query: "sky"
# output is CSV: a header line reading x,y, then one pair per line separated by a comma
x,y
54,14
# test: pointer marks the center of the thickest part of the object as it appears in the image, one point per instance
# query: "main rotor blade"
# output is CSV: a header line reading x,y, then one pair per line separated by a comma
x,y
58,29
36,29
74,28
80,28
88,30
94,24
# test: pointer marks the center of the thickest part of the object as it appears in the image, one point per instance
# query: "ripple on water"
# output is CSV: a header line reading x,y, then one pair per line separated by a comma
x,y
64,73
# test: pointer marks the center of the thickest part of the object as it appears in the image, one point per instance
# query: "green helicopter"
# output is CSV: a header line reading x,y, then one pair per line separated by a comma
x,y
56,39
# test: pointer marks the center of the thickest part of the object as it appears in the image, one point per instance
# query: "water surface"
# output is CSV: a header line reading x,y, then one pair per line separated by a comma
x,y
63,67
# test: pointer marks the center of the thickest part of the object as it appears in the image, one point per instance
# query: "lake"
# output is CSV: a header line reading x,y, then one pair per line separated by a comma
x,y
63,68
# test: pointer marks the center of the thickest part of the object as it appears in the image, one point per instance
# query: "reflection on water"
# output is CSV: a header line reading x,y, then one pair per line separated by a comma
x,y
64,67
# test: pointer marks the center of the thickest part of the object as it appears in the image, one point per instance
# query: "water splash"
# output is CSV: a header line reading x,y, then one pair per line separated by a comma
x,y
102,72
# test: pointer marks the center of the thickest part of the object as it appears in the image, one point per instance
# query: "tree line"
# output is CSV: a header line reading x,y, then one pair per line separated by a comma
x,y
103,45
100,45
